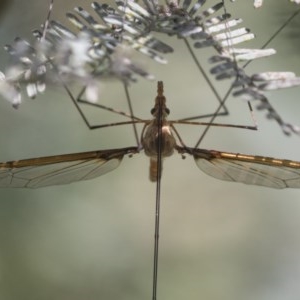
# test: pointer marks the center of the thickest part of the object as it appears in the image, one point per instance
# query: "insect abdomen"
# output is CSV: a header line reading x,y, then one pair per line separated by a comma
x,y
153,169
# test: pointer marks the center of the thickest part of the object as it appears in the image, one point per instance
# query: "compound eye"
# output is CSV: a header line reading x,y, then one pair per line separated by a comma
x,y
167,111
152,111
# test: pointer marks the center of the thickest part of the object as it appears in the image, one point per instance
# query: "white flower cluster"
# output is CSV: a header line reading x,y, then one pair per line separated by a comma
x,y
103,48
259,3
64,56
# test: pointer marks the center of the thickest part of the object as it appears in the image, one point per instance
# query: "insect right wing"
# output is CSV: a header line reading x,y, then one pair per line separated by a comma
x,y
248,169
60,169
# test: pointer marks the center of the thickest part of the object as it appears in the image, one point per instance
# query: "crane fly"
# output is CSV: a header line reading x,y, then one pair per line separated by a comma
x,y
159,139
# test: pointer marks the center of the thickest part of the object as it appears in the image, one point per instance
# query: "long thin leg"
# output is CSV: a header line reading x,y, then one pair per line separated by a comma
x,y
212,119
221,104
157,203
133,121
276,33
110,109
216,125
96,126
46,24
128,98
104,107
218,111
215,92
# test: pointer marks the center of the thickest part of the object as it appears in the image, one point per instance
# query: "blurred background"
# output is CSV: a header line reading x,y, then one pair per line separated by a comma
x,y
94,239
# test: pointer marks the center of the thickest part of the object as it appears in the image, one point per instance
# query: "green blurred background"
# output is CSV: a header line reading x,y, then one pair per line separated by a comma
x,y
94,240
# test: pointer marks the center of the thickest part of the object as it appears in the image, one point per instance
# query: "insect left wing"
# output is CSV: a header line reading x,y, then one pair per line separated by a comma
x,y
60,169
249,169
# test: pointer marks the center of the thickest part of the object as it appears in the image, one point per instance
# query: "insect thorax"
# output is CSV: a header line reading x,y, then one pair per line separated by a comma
x,y
150,140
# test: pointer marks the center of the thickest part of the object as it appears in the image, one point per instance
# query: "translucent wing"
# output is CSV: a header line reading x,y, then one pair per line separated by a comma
x,y
60,169
249,169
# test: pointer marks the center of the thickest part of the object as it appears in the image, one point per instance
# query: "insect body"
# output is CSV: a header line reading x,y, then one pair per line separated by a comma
x,y
158,141
153,135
